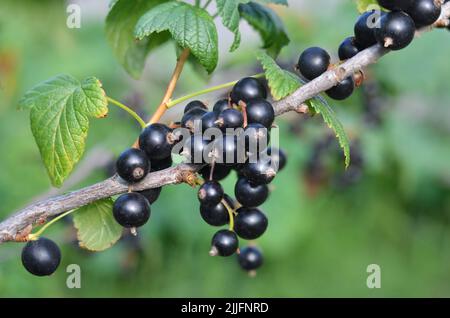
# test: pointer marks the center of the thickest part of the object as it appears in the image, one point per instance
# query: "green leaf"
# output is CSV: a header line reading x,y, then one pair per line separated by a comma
x,y
96,227
229,12
191,27
60,112
321,106
363,5
268,24
281,82
120,24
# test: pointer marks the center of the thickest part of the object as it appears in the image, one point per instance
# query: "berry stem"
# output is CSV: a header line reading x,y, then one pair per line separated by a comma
x,y
35,236
128,110
230,214
206,91
171,87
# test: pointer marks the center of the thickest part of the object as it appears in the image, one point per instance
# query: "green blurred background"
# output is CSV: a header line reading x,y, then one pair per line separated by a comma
x,y
322,235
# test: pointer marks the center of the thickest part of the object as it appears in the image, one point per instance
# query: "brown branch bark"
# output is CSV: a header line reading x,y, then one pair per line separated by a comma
x,y
13,228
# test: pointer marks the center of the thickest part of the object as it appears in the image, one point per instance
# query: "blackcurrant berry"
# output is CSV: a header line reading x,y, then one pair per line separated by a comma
x,y
250,223
250,258
229,150
220,106
191,117
133,165
364,29
224,243
247,89
256,138
158,165
342,90
230,118
395,4
216,215
250,195
156,140
220,172
196,150
313,62
260,111
396,31
131,210
259,172
41,257
151,194
424,12
278,158
210,193
209,121
194,104
348,49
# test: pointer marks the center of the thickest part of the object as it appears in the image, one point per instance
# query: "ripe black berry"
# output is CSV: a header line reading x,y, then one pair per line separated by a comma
x,y
396,31
210,193
131,210
196,150
348,49
224,243
277,157
364,29
192,117
395,4
342,90
259,172
247,89
313,62
220,172
250,258
194,104
209,121
156,141
229,150
424,12
161,164
250,223
261,112
256,138
220,106
151,194
133,165
250,195
41,257
216,215
230,118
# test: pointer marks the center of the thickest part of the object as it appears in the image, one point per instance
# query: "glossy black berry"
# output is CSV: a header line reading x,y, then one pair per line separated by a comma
x,y
131,210
229,150
161,164
133,165
194,104
156,141
230,118
259,172
220,106
250,223
396,31
395,4
247,89
209,120
192,118
424,12
210,193
196,150
151,194
348,49
342,90
216,215
224,243
256,138
41,257
278,158
250,258
260,111
313,62
364,29
220,172
250,195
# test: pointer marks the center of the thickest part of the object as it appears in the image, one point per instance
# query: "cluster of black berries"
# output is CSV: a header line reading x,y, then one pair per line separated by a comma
x,y
394,30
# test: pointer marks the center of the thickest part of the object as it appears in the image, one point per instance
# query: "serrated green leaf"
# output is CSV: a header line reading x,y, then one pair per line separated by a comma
x,y
60,112
96,227
281,82
120,24
321,106
190,26
268,24
229,12
363,5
